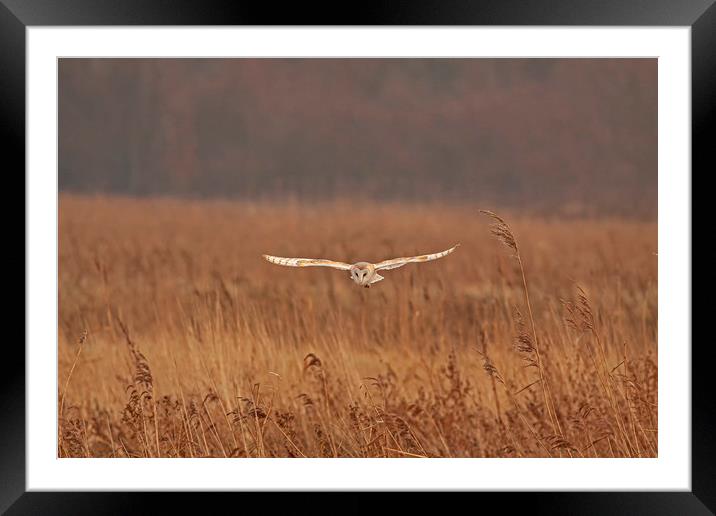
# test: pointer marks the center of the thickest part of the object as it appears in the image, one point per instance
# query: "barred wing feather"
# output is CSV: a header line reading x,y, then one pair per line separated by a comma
x,y
306,262
399,262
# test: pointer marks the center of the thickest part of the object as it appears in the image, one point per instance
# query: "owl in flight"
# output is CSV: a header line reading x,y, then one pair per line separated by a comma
x,y
362,273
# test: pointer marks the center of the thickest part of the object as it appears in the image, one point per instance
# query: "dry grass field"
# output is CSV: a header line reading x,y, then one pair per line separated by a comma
x,y
177,340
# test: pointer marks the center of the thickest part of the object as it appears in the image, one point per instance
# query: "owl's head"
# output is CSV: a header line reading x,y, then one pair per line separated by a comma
x,y
361,273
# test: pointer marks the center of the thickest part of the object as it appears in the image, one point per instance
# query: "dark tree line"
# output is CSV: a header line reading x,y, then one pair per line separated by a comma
x,y
555,135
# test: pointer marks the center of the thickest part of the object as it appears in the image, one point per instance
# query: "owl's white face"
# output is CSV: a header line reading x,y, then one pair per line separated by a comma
x,y
362,273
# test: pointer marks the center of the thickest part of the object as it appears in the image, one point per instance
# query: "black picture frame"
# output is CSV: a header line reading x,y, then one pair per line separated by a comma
x,y
17,15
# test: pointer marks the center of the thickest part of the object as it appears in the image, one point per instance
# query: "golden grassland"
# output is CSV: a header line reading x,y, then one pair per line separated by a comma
x,y
177,340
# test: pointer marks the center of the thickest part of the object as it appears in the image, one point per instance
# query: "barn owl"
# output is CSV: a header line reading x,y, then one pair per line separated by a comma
x,y
362,273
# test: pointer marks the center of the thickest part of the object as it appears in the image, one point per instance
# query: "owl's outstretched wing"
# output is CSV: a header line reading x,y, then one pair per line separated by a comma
x,y
306,262
399,262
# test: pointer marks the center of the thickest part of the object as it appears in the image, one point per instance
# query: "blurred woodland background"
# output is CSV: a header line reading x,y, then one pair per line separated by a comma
x,y
566,136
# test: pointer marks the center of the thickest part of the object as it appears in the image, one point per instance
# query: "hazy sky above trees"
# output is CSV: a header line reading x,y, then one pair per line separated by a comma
x,y
555,135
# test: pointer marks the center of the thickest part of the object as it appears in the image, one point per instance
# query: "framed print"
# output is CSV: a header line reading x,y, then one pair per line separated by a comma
x,y
427,249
